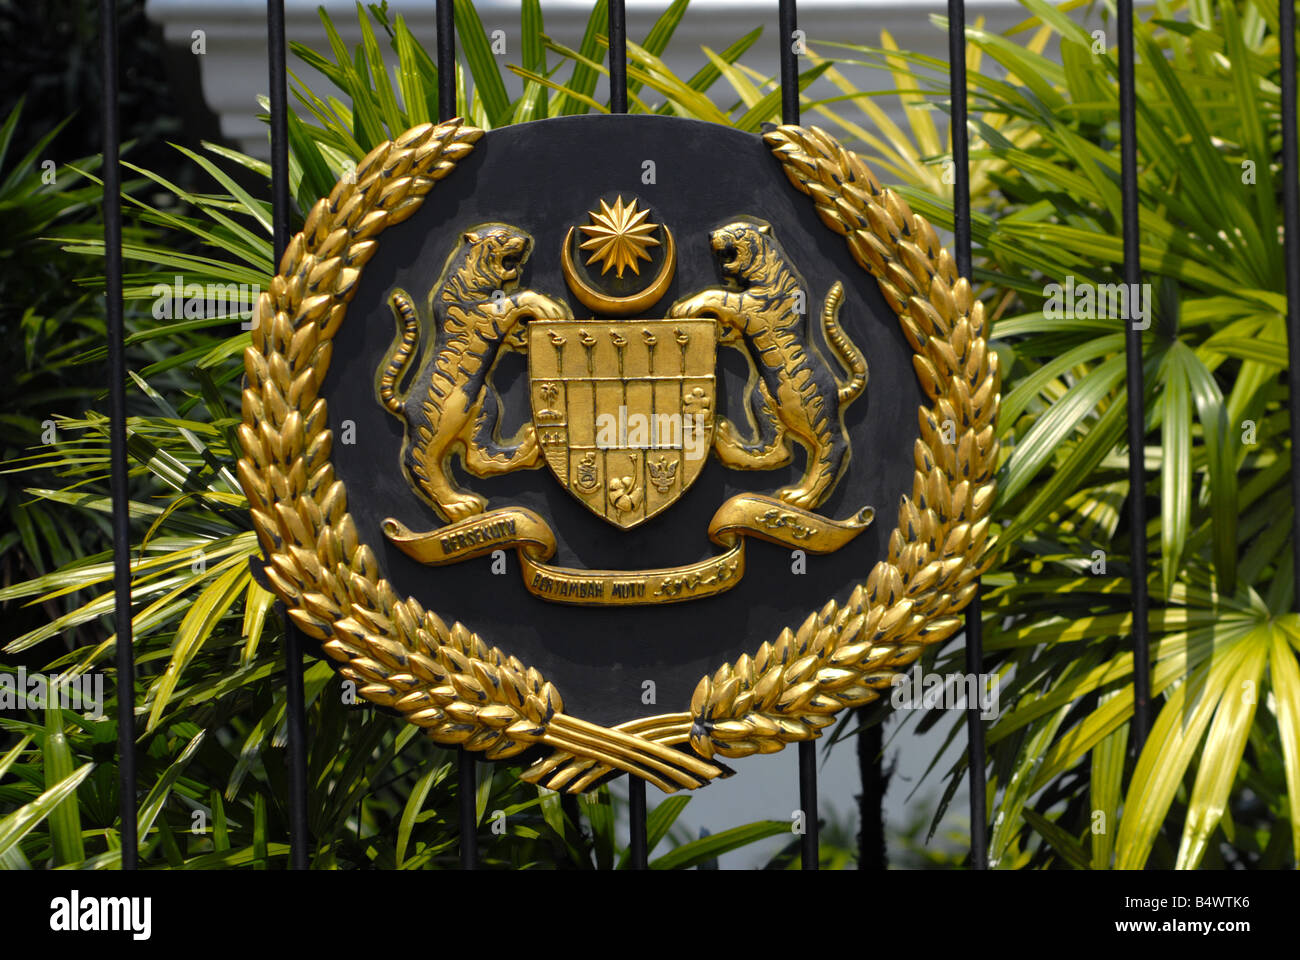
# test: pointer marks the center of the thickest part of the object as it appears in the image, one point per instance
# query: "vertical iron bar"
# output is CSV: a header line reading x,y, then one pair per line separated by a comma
x,y
960,138
638,855
636,799
1137,508
809,846
787,25
975,757
119,476
466,763
467,791
961,238
617,57
295,707
872,853
446,22
1291,252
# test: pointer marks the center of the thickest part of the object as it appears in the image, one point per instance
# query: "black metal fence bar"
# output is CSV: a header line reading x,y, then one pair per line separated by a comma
x,y
810,841
617,57
1291,248
446,25
466,763
787,24
295,708
787,27
957,94
638,853
119,475
467,793
1137,508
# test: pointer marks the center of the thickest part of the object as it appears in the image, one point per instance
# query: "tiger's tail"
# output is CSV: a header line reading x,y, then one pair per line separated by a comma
x,y
404,313
845,350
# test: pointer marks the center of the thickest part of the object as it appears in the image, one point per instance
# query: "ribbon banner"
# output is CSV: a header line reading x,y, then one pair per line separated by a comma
x,y
742,516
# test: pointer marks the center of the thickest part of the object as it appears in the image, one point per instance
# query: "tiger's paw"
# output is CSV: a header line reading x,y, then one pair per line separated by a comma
x,y
462,506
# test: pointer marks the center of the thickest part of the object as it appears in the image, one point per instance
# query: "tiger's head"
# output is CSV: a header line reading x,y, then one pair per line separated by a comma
x,y
494,255
742,247
483,283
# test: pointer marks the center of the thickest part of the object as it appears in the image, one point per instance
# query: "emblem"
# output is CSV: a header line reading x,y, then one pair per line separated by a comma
x,y
624,410
606,390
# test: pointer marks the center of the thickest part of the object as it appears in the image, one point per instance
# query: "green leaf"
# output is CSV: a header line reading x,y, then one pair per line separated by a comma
x,y
1285,674
1221,756
710,847
483,792
419,91
65,819
1106,785
220,830
261,851
27,817
393,118
599,810
657,824
1012,808
1221,459
582,82
483,66
317,179
414,804
1172,743
1061,842
769,107
157,796
1061,419
709,74
256,856
8,759
534,104
551,84
206,611
1176,461
656,40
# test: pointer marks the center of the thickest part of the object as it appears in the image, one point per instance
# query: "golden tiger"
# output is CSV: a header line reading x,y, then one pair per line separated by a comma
x,y
452,406
795,393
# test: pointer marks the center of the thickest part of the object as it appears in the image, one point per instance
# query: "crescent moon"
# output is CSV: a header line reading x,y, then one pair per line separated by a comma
x,y
605,305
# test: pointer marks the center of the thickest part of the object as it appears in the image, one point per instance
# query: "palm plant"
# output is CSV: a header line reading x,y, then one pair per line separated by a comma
x,y
209,693
1218,779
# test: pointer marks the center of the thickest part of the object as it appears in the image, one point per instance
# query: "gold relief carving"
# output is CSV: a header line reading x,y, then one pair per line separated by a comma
x,y
619,236
450,683
588,476
663,472
478,313
741,516
618,414
625,492
799,397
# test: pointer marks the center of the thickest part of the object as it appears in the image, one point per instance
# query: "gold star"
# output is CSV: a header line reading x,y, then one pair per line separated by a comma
x,y
619,236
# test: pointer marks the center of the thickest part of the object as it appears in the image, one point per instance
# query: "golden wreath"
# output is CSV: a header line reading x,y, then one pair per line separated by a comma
x,y
463,692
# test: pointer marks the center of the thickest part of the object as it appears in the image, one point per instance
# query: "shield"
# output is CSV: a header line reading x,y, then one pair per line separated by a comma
x,y
623,410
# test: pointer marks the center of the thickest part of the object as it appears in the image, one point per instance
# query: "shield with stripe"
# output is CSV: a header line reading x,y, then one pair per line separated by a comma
x,y
624,410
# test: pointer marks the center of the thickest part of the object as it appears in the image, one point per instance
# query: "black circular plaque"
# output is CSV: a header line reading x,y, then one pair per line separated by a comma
x,y
544,177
